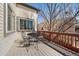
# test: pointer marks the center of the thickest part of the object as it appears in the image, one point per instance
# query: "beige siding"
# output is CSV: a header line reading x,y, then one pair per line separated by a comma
x,y
7,42
35,21
1,20
24,13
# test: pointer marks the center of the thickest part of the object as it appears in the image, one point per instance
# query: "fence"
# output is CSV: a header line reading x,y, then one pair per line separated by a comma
x,y
68,40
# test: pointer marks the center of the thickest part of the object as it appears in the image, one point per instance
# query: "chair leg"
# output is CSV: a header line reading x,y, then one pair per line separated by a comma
x,y
27,49
37,46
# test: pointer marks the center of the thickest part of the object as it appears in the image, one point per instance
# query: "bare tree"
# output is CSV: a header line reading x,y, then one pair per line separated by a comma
x,y
74,12
53,11
47,13
50,11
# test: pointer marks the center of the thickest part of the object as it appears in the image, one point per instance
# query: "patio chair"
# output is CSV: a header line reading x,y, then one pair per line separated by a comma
x,y
30,39
33,39
26,39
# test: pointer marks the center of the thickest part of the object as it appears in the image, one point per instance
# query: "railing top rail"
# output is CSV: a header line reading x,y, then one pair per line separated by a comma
x,y
60,33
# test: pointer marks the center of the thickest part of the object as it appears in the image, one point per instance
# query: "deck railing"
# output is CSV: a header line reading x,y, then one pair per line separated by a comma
x,y
68,40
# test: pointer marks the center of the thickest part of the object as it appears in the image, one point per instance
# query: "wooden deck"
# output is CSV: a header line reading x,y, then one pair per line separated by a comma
x,y
43,50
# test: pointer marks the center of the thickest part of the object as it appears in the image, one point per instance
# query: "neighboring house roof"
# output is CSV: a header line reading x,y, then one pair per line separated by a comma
x,y
26,5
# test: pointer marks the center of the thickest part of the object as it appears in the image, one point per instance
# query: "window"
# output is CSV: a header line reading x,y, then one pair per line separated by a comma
x,y
26,24
21,24
9,18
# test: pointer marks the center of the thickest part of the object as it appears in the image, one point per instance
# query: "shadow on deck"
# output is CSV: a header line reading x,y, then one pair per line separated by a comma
x,y
43,50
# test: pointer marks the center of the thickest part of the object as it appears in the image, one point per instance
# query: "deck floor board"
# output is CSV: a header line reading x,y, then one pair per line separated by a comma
x,y
43,50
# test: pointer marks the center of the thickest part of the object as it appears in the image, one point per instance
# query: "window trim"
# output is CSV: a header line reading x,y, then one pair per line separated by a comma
x,y
8,31
26,19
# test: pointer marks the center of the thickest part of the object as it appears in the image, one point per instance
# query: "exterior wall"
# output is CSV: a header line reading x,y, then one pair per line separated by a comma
x,y
10,36
1,20
35,21
44,25
7,42
24,13
71,29
77,28
70,26
57,24
40,27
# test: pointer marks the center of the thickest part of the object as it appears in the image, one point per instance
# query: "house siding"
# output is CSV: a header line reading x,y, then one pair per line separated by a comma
x,y
24,13
7,40
1,20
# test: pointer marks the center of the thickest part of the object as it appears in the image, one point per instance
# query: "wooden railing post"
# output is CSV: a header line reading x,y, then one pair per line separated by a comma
x,y
50,36
71,41
67,40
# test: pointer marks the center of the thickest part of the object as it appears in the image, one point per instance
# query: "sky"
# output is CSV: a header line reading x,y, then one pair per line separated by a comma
x,y
38,5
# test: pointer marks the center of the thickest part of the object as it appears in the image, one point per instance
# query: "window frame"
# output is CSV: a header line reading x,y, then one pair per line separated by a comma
x,y
12,17
28,21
